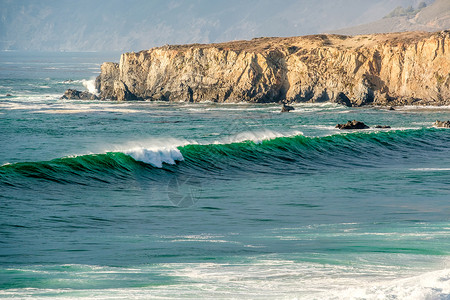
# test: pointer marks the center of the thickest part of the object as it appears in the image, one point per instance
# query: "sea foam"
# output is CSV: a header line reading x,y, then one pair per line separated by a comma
x,y
90,85
156,157
156,151
256,136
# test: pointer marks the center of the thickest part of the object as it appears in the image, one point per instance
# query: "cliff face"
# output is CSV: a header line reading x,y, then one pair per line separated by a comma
x,y
381,69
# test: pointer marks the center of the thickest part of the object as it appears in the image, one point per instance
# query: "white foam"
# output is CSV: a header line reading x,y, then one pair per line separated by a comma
x,y
422,107
266,277
430,169
156,157
85,110
90,85
256,136
155,152
432,285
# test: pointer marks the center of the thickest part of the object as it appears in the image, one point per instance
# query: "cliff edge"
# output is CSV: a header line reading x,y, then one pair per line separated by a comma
x,y
379,69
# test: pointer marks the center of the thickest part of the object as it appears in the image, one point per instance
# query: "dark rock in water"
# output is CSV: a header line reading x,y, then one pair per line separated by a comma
x,y
286,108
8,95
77,95
383,126
442,124
391,108
352,125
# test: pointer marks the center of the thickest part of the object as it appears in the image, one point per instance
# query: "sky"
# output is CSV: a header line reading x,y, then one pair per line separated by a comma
x,y
133,25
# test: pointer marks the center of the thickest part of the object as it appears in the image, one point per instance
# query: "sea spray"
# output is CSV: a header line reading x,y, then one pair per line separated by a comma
x,y
156,157
90,86
278,155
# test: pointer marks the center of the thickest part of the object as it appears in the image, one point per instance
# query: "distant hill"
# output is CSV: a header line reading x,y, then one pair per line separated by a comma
x,y
434,17
132,25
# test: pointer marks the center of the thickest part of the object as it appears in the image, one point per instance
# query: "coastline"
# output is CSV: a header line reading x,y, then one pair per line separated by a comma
x,y
397,69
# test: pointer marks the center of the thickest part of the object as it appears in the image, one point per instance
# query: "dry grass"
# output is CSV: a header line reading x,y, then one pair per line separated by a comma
x,y
296,44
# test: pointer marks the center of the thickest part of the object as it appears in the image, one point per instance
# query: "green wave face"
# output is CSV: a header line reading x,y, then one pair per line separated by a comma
x,y
284,155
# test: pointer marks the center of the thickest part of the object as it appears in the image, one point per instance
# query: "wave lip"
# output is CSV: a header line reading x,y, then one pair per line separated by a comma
x,y
251,152
156,157
256,136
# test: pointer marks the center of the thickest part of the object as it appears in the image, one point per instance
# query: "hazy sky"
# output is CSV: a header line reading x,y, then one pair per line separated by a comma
x,y
131,25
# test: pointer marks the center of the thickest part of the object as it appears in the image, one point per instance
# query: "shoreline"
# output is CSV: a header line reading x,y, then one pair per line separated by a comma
x,y
394,69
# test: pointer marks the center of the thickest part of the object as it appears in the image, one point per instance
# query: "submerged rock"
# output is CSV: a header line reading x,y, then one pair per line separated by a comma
x,y
8,95
441,124
77,95
286,108
382,126
352,125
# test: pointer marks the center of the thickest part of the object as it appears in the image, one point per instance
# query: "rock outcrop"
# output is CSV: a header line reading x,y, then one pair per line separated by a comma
x,y
442,124
77,95
380,69
352,125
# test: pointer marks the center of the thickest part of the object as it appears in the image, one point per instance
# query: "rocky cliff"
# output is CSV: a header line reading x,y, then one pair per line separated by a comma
x,y
379,69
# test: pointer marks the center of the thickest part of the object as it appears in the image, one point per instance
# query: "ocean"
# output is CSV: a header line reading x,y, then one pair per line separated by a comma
x,y
157,200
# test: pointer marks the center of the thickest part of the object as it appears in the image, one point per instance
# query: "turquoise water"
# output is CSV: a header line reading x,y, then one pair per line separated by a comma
x,y
159,200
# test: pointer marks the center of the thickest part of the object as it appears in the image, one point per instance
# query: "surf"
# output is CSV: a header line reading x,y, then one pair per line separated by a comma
x,y
276,154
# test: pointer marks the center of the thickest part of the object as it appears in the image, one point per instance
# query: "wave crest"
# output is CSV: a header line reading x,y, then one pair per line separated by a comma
x,y
156,157
278,155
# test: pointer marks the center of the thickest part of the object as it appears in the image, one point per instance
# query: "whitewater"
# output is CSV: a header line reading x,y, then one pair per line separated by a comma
x,y
157,200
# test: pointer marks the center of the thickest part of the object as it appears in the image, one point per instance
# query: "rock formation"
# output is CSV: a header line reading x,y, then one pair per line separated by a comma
x,y
442,124
352,125
77,95
380,69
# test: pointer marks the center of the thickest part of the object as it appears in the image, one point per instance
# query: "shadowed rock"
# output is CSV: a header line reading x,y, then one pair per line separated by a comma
x,y
382,126
343,100
286,108
77,95
442,124
352,125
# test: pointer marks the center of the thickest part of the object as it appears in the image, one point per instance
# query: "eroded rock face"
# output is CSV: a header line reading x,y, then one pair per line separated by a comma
x,y
381,69
77,95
